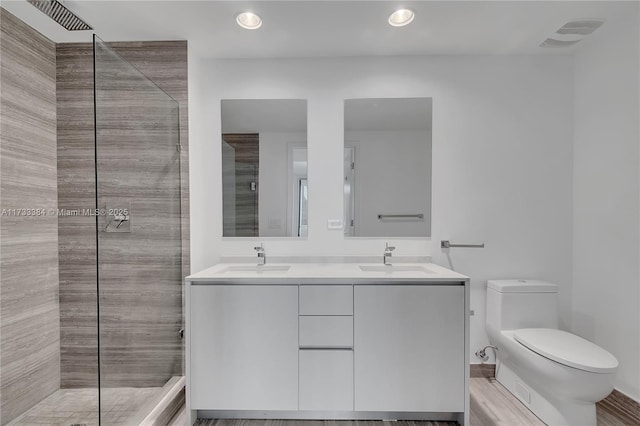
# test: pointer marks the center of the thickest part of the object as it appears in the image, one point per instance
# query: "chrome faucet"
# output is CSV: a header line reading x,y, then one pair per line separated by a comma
x,y
262,257
387,254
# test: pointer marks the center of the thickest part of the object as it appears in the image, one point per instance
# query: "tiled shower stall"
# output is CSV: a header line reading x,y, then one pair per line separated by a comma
x,y
94,141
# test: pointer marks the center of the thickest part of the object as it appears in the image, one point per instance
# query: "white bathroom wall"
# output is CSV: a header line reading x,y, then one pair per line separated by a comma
x,y
606,296
502,159
274,192
397,164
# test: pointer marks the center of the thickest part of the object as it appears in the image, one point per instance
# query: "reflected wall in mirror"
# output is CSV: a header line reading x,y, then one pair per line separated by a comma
x,y
387,167
264,168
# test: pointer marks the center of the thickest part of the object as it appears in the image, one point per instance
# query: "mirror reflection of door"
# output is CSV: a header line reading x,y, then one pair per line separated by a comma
x,y
298,189
303,201
349,190
240,173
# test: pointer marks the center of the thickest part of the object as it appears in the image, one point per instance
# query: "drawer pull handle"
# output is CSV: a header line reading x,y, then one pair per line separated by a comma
x,y
326,348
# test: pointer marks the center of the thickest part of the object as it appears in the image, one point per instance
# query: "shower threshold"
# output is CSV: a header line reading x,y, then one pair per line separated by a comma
x,y
120,406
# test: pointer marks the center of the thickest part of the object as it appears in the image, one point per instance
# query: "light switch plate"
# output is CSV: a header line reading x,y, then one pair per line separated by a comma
x,y
335,224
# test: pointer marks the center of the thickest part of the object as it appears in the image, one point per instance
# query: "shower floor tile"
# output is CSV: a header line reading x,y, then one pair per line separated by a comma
x,y
67,407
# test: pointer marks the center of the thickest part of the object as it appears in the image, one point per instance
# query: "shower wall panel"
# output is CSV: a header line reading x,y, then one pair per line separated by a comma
x,y
29,309
128,357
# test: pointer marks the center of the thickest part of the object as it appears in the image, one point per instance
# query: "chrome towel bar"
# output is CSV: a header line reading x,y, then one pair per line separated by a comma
x,y
390,216
447,244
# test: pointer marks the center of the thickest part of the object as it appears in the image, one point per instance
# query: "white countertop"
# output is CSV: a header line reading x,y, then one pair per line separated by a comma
x,y
319,273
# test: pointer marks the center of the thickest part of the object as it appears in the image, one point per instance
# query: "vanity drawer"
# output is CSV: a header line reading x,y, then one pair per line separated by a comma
x,y
326,300
326,332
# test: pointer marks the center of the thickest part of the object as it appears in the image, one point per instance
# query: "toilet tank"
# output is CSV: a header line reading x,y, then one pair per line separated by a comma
x,y
514,304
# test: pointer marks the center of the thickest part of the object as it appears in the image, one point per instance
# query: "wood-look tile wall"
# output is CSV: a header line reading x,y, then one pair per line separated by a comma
x,y
76,234
245,170
29,308
141,313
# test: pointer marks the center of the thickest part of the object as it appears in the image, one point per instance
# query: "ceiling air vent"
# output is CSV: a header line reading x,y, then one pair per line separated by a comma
x,y
551,42
59,13
582,27
572,33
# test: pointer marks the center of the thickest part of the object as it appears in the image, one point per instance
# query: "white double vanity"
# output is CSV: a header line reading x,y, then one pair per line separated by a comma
x,y
328,341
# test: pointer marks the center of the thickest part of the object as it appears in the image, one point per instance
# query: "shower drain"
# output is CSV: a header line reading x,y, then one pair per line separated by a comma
x,y
78,424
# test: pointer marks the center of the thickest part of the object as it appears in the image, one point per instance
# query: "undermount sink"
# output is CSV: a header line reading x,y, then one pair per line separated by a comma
x,y
394,268
257,268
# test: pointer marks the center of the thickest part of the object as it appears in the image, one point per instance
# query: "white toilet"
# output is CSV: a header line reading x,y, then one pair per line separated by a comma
x,y
557,375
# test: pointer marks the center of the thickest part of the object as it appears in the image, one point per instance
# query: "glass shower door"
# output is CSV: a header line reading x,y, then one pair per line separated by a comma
x,y
138,199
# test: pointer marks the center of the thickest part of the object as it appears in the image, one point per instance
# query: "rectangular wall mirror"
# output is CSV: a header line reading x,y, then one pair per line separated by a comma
x,y
387,167
264,168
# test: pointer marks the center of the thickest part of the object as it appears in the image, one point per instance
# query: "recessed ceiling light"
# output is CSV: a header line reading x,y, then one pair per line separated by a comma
x,y
401,17
248,20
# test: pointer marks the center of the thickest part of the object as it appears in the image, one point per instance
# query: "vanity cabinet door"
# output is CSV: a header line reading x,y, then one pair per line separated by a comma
x,y
244,347
326,380
409,348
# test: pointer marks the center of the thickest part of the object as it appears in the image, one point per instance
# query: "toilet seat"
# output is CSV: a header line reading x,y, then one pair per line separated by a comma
x,y
567,349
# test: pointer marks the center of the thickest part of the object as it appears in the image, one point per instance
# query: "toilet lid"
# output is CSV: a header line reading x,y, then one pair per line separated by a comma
x,y
568,349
